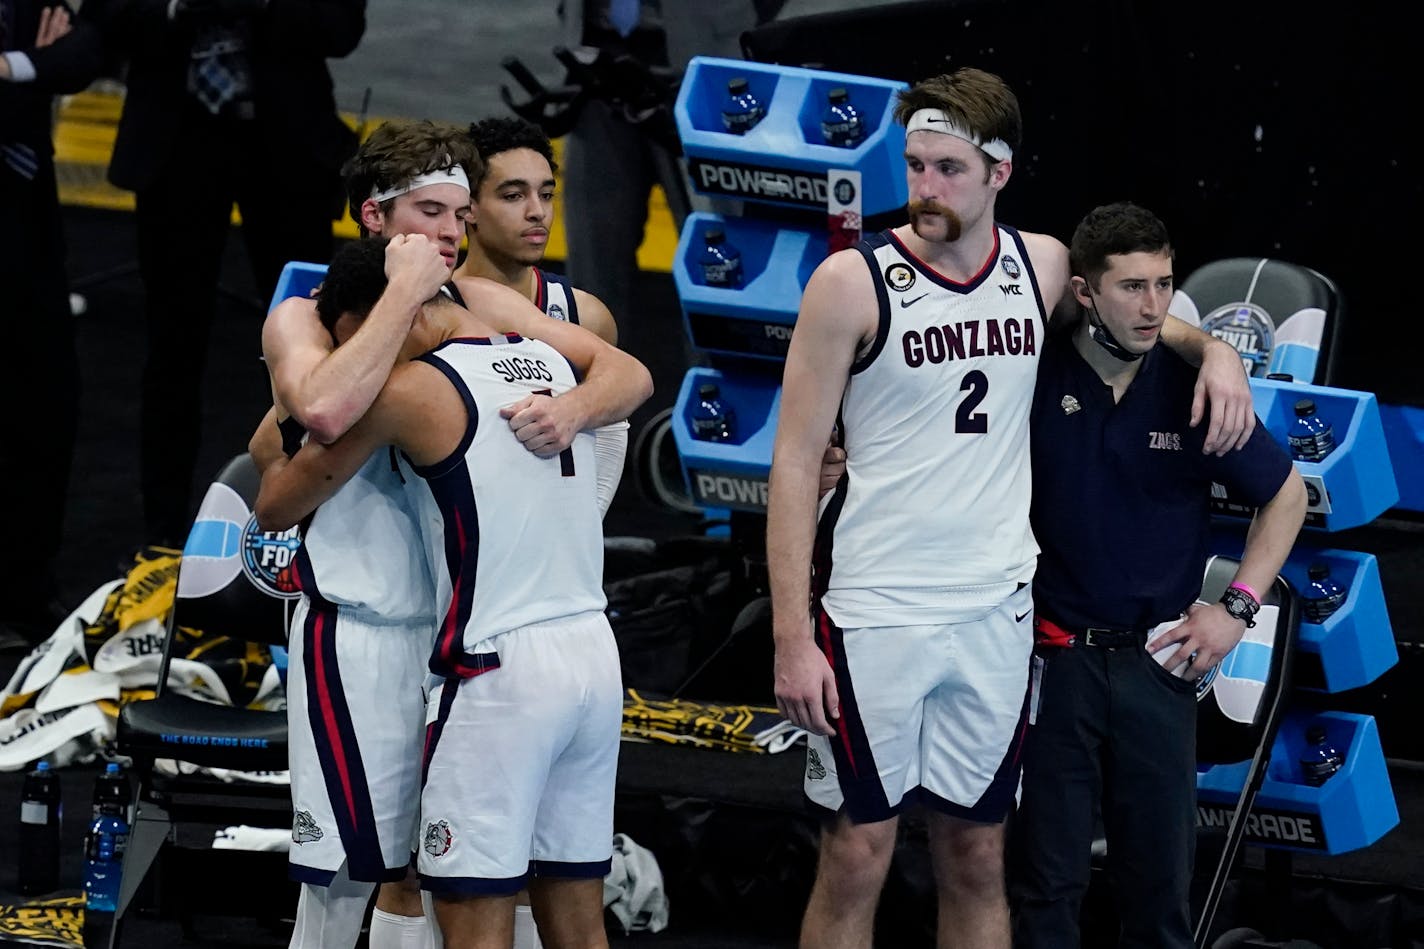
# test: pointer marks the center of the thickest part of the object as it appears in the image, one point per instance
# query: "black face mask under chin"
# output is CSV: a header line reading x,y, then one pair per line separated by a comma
x,y
1103,338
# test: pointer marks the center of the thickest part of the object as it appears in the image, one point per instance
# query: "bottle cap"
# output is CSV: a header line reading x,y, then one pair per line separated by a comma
x,y
737,86
1305,407
1280,376
42,766
709,390
838,94
1318,571
714,235
111,768
1315,734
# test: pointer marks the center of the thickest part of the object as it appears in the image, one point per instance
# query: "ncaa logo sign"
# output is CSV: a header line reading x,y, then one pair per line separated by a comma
x,y
268,558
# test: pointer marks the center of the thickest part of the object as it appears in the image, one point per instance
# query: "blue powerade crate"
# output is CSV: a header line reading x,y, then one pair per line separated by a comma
x,y
298,279
730,475
1352,485
783,159
755,319
1353,808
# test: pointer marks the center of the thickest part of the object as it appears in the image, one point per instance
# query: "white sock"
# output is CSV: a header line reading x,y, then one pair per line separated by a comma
x,y
330,917
437,939
393,931
526,934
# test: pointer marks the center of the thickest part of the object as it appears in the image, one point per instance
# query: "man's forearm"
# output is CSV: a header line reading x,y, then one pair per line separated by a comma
x,y
616,384
790,536
1272,534
1189,342
341,387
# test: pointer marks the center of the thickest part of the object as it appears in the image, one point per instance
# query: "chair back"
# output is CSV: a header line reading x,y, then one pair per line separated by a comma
x,y
234,580
1282,317
1239,703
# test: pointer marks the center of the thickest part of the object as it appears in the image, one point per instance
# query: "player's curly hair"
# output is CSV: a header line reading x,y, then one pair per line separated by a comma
x,y
355,280
494,135
398,151
979,101
1118,228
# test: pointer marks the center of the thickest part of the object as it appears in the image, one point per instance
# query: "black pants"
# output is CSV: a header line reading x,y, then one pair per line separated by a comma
x,y
183,220
40,391
1114,730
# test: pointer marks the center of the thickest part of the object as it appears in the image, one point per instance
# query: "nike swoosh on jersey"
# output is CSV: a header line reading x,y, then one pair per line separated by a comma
x,y
1019,619
907,303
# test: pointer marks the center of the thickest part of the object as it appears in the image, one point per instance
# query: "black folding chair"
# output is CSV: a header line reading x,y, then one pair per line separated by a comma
x,y
1302,308
225,560
1235,725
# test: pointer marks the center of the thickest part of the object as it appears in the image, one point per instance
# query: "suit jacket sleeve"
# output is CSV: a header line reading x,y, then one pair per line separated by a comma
x,y
70,63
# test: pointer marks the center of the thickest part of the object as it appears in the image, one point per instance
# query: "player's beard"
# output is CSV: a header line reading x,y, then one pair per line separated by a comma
x,y
953,226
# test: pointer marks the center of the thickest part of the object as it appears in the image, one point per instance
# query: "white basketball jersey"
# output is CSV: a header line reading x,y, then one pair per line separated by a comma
x,y
555,296
931,522
512,538
361,549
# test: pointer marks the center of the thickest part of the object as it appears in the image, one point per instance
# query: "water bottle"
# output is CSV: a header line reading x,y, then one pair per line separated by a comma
x,y
112,794
1323,596
721,261
841,124
1320,759
105,846
40,810
1311,438
712,419
741,112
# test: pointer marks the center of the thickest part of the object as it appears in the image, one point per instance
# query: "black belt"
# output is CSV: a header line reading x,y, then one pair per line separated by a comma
x,y
1049,633
1112,638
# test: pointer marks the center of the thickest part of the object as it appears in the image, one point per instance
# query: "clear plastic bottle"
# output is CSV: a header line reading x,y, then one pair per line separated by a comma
x,y
40,817
741,112
106,843
112,793
841,124
1320,760
1311,438
721,260
1323,596
712,419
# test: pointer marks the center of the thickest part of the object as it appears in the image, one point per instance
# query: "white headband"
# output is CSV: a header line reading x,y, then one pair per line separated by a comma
x,y
934,120
452,175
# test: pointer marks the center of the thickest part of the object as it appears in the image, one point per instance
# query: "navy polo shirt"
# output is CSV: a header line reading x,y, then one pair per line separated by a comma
x,y
1122,492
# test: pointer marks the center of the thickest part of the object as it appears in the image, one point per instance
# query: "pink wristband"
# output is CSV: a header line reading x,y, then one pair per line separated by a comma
x,y
1244,588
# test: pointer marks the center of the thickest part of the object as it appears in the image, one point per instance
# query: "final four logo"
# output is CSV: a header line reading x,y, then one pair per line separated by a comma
x,y
268,558
1246,327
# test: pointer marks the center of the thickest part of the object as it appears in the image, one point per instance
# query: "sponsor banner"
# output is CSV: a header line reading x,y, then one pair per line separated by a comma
x,y
1268,825
716,489
57,921
808,189
733,335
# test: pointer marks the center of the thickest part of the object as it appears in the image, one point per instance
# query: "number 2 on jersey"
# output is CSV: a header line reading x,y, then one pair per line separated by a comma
x,y
966,420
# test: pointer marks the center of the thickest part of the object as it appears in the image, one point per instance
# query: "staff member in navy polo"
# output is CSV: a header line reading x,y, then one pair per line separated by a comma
x,y
1121,510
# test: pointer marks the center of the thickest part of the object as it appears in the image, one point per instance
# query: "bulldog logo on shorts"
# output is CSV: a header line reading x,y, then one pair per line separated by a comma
x,y
438,838
305,829
814,769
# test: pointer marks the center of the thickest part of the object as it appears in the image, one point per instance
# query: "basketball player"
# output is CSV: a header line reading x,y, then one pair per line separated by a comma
x,y
515,544
511,213
1115,730
407,178
908,658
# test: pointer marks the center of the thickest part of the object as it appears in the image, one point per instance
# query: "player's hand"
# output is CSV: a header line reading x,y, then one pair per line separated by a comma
x,y
833,465
54,23
805,684
416,262
1221,385
540,423
1203,639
